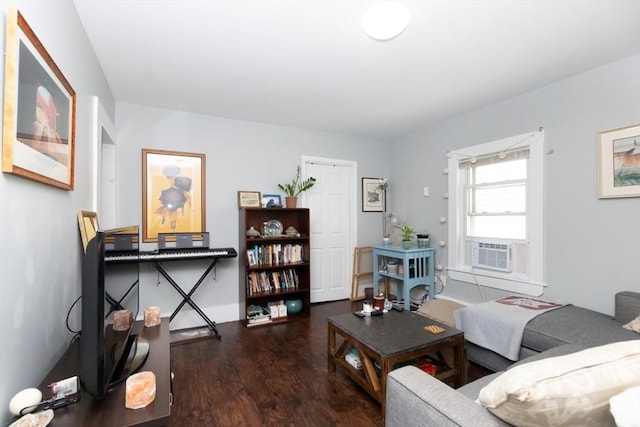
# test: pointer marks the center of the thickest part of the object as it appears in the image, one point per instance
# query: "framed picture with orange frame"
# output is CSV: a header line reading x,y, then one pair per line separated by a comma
x,y
173,193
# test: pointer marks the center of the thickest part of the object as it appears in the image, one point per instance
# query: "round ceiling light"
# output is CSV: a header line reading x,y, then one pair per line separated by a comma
x,y
386,20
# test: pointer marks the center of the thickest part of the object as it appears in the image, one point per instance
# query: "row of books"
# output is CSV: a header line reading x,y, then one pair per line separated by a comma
x,y
271,281
275,254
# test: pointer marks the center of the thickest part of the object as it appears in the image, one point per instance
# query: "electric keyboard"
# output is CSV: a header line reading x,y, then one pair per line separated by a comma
x,y
169,255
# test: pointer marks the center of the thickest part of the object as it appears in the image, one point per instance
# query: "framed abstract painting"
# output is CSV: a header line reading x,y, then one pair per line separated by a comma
x,y
173,193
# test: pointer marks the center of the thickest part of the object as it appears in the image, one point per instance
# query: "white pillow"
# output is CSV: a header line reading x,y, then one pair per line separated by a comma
x,y
634,325
625,409
568,390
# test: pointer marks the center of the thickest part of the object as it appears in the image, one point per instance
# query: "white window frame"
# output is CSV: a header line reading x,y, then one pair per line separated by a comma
x,y
530,282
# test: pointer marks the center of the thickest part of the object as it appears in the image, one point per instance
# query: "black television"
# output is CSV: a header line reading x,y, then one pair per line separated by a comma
x,y
108,357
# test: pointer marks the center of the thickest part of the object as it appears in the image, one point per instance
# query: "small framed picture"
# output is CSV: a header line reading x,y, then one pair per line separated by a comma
x,y
249,199
619,162
271,201
373,195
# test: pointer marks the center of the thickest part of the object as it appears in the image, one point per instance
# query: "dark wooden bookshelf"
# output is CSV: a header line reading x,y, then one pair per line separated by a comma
x,y
289,217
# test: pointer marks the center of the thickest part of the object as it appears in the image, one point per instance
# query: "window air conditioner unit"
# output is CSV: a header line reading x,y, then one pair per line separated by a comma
x,y
491,255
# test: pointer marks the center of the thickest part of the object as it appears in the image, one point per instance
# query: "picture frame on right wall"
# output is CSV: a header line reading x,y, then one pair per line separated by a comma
x,y
618,154
373,195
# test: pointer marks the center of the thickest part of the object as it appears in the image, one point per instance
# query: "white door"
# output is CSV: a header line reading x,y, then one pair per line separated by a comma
x,y
332,204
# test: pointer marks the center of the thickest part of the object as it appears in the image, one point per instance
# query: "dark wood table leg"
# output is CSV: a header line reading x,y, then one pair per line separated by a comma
x,y
331,347
459,361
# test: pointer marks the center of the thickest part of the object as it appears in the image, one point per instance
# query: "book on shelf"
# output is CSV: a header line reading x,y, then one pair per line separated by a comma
x,y
259,320
277,309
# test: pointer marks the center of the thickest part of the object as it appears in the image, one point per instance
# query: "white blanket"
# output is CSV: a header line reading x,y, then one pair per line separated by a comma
x,y
499,324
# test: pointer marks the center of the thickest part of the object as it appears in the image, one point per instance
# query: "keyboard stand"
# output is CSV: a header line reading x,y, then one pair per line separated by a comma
x,y
157,258
186,297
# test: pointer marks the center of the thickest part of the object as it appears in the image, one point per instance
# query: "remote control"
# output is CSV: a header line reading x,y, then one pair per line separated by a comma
x,y
398,307
358,313
376,313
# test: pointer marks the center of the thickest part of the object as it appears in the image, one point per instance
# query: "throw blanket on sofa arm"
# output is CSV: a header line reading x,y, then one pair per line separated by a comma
x,y
498,325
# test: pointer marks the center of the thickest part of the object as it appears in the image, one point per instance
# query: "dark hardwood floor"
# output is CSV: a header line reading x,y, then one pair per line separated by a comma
x,y
269,376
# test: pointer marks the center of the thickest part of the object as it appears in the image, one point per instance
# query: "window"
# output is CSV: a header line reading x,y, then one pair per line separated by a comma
x,y
495,197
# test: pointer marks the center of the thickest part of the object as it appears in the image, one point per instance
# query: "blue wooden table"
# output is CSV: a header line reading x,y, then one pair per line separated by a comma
x,y
418,269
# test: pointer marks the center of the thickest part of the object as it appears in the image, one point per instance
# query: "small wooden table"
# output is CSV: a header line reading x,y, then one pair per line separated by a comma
x,y
110,410
391,339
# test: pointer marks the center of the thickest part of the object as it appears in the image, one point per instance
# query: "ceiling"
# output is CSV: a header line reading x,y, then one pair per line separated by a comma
x,y
308,64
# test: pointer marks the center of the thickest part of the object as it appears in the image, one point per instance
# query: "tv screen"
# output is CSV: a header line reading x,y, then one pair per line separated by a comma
x,y
107,353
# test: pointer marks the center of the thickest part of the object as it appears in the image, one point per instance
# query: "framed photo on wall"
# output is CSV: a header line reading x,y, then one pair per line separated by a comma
x,y
39,110
619,162
173,193
373,195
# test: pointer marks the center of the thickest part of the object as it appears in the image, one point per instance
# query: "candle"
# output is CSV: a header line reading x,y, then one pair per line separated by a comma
x,y
151,316
378,302
122,320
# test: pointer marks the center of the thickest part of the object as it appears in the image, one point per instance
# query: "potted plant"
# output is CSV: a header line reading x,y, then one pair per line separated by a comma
x,y
295,187
407,234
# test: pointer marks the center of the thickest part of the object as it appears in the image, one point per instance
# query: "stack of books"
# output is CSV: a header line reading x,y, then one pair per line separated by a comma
x,y
256,315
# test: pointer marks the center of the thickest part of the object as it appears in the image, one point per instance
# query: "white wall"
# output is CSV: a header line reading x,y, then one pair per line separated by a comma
x,y
592,246
39,243
239,156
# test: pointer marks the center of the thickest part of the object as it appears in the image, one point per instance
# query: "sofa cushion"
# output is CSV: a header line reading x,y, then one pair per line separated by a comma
x,y
573,325
552,352
472,390
573,389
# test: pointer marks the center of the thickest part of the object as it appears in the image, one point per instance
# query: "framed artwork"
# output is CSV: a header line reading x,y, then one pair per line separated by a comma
x,y
88,224
271,201
618,156
373,195
173,193
39,110
249,199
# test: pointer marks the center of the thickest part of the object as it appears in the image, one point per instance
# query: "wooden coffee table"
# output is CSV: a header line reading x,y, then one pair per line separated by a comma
x,y
391,339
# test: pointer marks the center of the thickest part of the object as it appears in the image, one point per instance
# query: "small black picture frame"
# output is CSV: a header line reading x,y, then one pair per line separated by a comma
x,y
373,195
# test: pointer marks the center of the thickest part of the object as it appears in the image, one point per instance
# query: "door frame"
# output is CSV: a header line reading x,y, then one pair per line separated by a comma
x,y
103,161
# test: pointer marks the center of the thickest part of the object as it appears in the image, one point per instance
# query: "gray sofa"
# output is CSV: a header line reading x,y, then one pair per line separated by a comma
x,y
417,399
